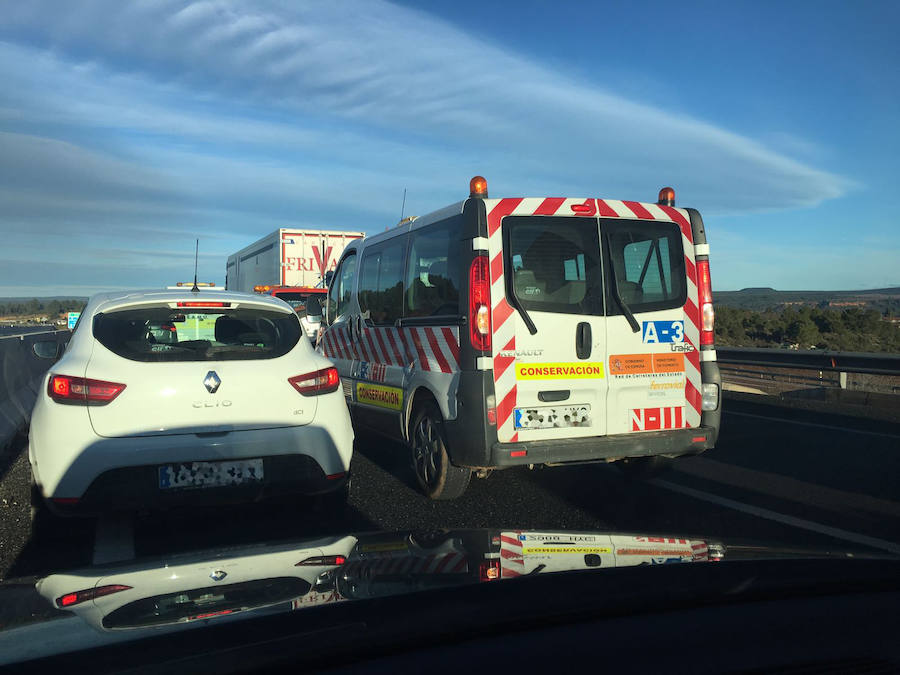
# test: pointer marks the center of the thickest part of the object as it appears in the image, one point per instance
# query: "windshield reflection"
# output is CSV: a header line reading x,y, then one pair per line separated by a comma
x,y
198,588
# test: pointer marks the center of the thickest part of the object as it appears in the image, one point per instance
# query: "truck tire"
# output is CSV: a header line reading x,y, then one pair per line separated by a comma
x,y
438,478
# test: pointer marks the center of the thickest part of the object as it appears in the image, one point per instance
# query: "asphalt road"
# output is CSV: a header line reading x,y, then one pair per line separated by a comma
x,y
777,475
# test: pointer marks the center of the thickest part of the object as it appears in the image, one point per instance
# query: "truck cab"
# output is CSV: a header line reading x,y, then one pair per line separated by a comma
x,y
299,297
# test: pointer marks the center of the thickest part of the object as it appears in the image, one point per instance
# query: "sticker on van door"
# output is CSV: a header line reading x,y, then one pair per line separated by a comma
x,y
646,365
558,371
380,396
659,332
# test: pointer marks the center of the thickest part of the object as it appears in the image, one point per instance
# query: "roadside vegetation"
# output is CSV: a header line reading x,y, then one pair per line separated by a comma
x,y
39,310
853,330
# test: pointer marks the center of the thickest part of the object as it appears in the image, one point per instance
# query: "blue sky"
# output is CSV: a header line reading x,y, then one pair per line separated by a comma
x,y
129,129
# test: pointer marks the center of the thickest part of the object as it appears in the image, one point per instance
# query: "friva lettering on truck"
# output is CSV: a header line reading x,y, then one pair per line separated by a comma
x,y
494,333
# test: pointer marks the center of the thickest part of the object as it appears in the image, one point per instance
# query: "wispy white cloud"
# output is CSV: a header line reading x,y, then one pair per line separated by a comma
x,y
157,121
395,68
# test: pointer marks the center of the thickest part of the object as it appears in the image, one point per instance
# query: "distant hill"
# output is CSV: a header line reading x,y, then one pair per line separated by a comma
x,y
43,298
884,300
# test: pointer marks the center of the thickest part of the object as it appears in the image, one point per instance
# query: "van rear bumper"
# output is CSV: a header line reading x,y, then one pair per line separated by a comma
x,y
604,448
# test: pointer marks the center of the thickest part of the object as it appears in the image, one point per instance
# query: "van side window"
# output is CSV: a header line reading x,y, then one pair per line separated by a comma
x,y
381,282
432,275
341,288
648,261
553,264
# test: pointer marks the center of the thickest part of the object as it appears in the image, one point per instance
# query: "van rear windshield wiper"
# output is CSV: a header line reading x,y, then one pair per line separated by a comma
x,y
524,314
626,310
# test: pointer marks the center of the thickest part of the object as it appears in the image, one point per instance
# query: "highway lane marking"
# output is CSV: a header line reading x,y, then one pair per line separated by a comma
x,y
784,487
793,521
113,539
813,424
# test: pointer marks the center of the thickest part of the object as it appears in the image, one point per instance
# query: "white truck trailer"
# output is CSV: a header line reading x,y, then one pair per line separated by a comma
x,y
287,257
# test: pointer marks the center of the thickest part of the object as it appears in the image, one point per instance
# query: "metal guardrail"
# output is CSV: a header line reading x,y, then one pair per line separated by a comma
x,y
841,362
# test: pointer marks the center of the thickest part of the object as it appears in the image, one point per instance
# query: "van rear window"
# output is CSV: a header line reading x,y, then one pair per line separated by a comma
x,y
160,334
648,261
553,264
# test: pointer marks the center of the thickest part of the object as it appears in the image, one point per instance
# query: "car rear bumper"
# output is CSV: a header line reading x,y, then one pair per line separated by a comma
x,y
70,472
137,487
604,448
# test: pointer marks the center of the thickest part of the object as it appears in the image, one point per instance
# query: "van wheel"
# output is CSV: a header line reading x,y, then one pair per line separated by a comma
x,y
437,477
643,468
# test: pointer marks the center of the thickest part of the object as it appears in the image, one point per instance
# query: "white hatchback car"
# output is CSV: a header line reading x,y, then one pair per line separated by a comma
x,y
177,397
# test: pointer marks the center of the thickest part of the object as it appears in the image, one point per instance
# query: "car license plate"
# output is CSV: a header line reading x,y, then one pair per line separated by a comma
x,y
210,474
549,417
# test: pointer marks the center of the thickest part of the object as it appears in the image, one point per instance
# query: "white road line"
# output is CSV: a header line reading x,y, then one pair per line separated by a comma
x,y
835,532
113,539
784,487
813,424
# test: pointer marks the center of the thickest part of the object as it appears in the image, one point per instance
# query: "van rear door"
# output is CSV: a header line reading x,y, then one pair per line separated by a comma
x,y
549,334
652,381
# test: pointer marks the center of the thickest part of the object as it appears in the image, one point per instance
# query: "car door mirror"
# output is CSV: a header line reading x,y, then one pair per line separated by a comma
x,y
46,349
329,275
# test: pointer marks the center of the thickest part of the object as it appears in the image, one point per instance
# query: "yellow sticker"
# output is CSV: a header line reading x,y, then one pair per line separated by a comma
x,y
379,395
566,549
559,371
383,547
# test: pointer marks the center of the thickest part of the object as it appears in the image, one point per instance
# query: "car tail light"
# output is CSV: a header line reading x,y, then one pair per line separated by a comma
x,y
707,313
489,570
200,303
67,389
209,615
480,303
320,382
76,598
323,560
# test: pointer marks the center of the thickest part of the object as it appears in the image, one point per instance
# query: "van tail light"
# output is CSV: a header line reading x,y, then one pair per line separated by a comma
x,y
81,390
323,560
707,313
480,303
322,381
489,570
76,598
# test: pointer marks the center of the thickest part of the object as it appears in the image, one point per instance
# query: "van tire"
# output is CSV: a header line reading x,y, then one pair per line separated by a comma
x,y
643,468
438,478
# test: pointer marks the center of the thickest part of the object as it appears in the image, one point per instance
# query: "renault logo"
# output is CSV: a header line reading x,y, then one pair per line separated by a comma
x,y
212,382
218,575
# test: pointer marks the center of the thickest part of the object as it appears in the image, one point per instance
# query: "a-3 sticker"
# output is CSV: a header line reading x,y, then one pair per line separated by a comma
x,y
659,332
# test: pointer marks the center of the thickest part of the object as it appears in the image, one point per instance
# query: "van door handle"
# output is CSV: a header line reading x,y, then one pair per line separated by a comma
x,y
583,340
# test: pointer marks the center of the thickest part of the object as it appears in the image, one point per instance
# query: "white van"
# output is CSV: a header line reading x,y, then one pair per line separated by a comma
x,y
505,332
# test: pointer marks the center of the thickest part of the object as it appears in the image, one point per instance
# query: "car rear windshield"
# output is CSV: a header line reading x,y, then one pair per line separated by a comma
x,y
554,263
209,334
203,603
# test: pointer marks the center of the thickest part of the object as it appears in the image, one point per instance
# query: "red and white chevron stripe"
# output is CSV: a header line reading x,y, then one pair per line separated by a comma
x,y
429,348
512,561
503,325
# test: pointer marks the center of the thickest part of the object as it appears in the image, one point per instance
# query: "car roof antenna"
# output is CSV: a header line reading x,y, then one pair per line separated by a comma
x,y
196,289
